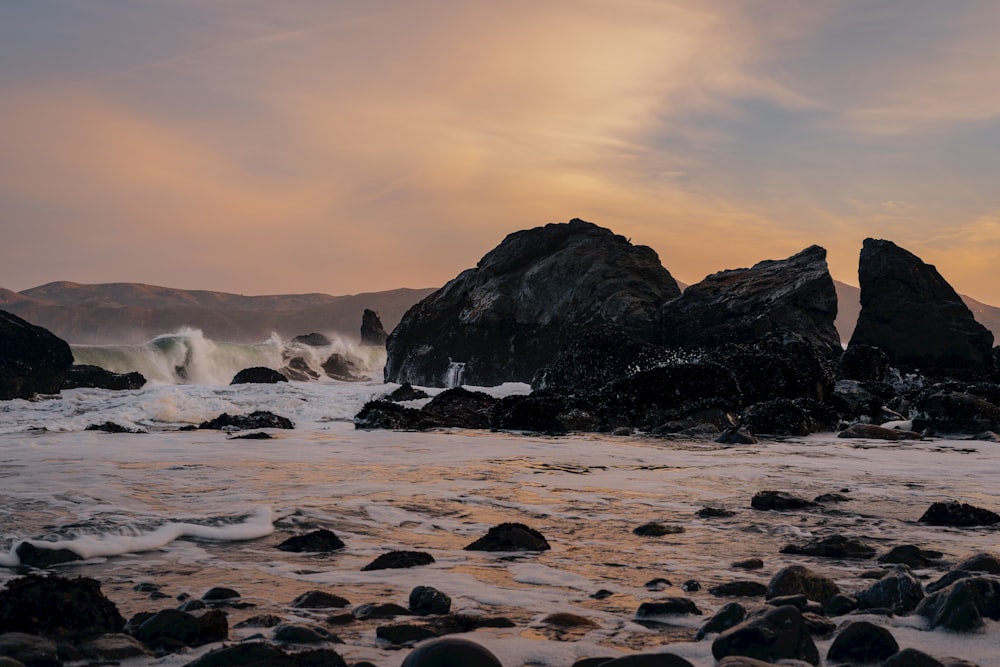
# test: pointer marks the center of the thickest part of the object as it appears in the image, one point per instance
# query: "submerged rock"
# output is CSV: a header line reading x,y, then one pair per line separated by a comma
x,y
779,500
524,301
32,360
43,557
57,606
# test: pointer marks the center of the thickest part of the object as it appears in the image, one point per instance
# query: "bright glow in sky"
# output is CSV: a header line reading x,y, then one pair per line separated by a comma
x,y
328,146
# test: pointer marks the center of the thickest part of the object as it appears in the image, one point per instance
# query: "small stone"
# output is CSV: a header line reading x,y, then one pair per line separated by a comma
x,y
318,541
657,584
691,586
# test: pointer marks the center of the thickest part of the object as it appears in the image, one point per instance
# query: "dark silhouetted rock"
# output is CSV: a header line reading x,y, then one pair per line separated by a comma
x,y
299,370
460,408
910,312
300,633
779,365
800,580
736,435
544,411
874,432
114,647
728,616
716,512
983,562
862,642
778,634
450,652
220,593
313,340
510,537
954,412
524,301
793,295
779,500
655,529
834,546
866,364
28,650
57,606
380,610
911,555
258,375
649,660
406,392
911,657
399,559
170,626
112,427
372,332
669,606
250,422
389,415
954,513
839,604
256,435
748,564
95,377
783,416
962,606
319,600
319,541
260,654
398,634
43,557
32,359
738,589
339,367
426,600
898,591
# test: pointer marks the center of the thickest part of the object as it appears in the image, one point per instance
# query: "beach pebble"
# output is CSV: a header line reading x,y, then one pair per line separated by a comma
x,y
649,660
451,652
862,642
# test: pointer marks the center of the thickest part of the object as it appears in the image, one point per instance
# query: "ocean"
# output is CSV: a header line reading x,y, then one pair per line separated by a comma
x,y
189,510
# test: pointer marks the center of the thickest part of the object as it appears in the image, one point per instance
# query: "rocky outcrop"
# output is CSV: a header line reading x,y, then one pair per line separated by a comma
x,y
258,375
794,295
372,332
32,359
58,607
95,377
524,301
911,313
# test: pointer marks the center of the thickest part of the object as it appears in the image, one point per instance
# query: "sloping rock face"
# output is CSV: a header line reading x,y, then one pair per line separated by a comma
x,y
372,332
32,359
794,295
911,313
526,298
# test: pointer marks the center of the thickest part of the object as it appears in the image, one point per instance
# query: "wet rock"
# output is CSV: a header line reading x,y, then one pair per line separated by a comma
x,y
510,537
715,513
955,412
911,657
510,315
318,541
171,626
57,607
340,367
258,375
962,606
777,634
794,295
798,579
406,392
191,606
911,555
32,359
749,564
253,421
899,591
372,332
743,661
112,427
380,610
670,606
691,586
299,370
831,498
386,414
784,416
541,412
114,647
395,560
737,435
839,604
738,589
648,660
29,650
83,375
862,642
299,633
567,620
260,654
450,652
220,594
911,313
460,408
863,363
261,621
655,529
874,432
954,513
800,601
399,634
43,557
255,435
834,546
657,584
425,600
313,340
983,562
779,501
728,616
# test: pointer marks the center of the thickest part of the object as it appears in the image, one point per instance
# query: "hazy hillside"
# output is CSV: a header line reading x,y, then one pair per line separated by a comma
x,y
135,313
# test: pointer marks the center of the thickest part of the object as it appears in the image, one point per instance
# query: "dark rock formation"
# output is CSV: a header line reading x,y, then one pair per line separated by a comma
x,y
873,432
300,633
728,616
450,651
219,594
169,627
750,589
260,654
778,634
784,416
258,375
656,529
319,600
954,412
254,420
898,591
426,600
57,606
460,408
524,301
866,364
779,500
372,332
313,340
954,513
339,367
32,359
377,610
783,365
834,546
911,313
95,377
794,295
981,562
318,541
18,649
962,606
510,537
299,370
406,392
800,580
43,557
862,642
112,427
394,560
544,411
389,415
669,606
911,556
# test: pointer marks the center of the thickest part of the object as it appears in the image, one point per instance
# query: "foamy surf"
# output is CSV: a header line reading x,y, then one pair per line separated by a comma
x,y
257,524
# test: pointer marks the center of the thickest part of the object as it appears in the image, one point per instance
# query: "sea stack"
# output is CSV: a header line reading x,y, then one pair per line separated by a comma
x,y
506,318
913,314
372,332
33,360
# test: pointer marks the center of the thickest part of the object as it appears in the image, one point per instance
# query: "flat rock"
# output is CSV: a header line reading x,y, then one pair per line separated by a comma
x,y
779,500
318,541
394,560
873,432
834,546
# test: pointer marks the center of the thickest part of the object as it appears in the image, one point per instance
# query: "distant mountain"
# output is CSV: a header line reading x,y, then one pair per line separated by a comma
x,y
135,313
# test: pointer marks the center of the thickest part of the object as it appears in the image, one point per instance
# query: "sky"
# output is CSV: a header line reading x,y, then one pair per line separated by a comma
x,y
263,147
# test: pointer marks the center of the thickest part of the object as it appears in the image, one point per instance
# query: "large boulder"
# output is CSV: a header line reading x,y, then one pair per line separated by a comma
x,y
372,332
524,301
911,313
793,295
57,606
33,360
81,376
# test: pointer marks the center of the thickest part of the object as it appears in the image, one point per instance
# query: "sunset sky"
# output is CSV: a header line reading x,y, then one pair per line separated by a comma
x,y
265,147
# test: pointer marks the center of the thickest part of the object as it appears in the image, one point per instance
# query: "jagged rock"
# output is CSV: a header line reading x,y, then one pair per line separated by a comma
x,y
57,606
777,634
95,377
873,432
899,591
260,654
460,408
313,340
450,651
406,392
510,315
800,580
596,357
32,359
258,375
389,415
669,606
319,600
318,541
426,600
779,365
339,367
254,420
112,427
954,513
779,500
962,606
510,537
728,616
911,313
43,557
795,295
29,650
372,332
865,364
862,642
834,546
543,411
399,559
953,412
261,621
783,416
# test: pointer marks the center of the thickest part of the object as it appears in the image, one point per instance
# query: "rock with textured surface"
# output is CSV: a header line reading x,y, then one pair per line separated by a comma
x,y
962,606
778,634
524,301
793,295
862,642
57,606
95,377
32,359
911,313
372,332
